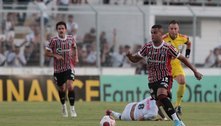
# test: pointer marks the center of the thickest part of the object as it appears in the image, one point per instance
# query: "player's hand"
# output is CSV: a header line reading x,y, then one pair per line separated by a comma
x,y
58,57
198,75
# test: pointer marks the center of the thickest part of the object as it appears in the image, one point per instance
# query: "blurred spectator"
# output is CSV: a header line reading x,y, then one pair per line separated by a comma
x,y
118,57
102,37
37,5
214,58
91,54
106,59
90,37
71,25
16,58
2,53
82,55
107,50
126,62
43,8
33,40
8,24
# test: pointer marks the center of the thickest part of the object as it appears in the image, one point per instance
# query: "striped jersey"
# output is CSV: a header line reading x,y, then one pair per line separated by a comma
x,y
63,47
158,59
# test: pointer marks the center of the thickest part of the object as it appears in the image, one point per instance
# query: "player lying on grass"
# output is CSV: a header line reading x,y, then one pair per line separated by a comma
x,y
143,110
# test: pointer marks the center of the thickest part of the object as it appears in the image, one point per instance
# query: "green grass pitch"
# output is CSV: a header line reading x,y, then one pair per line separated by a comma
x,y
89,114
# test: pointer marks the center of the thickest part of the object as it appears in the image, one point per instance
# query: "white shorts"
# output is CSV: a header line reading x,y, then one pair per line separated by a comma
x,y
126,113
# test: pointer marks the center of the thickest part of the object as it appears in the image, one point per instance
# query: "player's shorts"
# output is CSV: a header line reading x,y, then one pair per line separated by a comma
x,y
126,113
61,78
177,68
165,82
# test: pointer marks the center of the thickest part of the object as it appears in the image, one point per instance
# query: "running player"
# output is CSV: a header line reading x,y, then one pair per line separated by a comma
x,y
64,50
178,41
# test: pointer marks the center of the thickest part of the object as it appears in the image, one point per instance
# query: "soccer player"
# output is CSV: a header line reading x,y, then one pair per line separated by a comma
x,y
178,41
64,51
158,56
142,110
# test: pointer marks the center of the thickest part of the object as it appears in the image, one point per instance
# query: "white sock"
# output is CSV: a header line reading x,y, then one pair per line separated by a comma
x,y
72,108
174,116
64,106
116,114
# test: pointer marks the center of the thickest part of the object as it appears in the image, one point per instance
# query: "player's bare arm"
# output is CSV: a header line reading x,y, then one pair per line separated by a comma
x,y
75,54
50,54
134,57
188,64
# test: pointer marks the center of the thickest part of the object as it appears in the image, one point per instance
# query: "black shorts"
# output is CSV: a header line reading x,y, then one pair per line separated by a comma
x,y
61,78
165,82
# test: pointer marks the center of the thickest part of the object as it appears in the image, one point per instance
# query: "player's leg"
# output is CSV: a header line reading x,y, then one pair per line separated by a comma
x,y
167,105
160,91
62,95
180,92
60,81
116,115
71,93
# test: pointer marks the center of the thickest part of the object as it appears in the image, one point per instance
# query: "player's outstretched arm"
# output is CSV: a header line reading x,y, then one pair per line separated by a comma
x,y
188,64
133,57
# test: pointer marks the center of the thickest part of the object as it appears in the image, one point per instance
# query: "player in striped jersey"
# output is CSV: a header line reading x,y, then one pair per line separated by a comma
x,y
178,41
158,56
64,51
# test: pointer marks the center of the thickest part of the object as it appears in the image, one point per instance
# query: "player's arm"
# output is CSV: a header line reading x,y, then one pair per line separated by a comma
x,y
49,53
75,53
134,57
188,64
188,48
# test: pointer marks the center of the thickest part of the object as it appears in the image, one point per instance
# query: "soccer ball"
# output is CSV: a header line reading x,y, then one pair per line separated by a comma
x,y
107,120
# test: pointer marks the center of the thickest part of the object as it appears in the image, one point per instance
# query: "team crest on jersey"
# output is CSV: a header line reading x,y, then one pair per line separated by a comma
x,y
58,50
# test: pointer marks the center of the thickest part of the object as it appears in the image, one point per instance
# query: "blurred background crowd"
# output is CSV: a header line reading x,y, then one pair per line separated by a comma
x,y
21,37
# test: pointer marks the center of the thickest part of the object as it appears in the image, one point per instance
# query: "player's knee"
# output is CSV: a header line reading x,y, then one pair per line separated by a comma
x,y
62,89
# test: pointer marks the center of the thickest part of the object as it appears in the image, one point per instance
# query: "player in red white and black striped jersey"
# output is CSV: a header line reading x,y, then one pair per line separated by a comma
x,y
64,50
158,55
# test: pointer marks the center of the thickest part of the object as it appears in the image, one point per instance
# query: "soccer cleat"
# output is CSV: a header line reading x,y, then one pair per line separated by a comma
x,y
177,123
179,110
64,111
73,112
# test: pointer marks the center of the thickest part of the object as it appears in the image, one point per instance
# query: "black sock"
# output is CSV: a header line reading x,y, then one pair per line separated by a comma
x,y
62,96
71,96
167,105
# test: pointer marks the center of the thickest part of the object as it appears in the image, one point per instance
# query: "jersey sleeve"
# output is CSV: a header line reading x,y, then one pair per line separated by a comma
x,y
143,51
185,38
173,51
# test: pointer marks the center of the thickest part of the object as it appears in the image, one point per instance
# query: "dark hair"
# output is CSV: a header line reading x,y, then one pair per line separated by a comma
x,y
157,26
173,22
61,23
